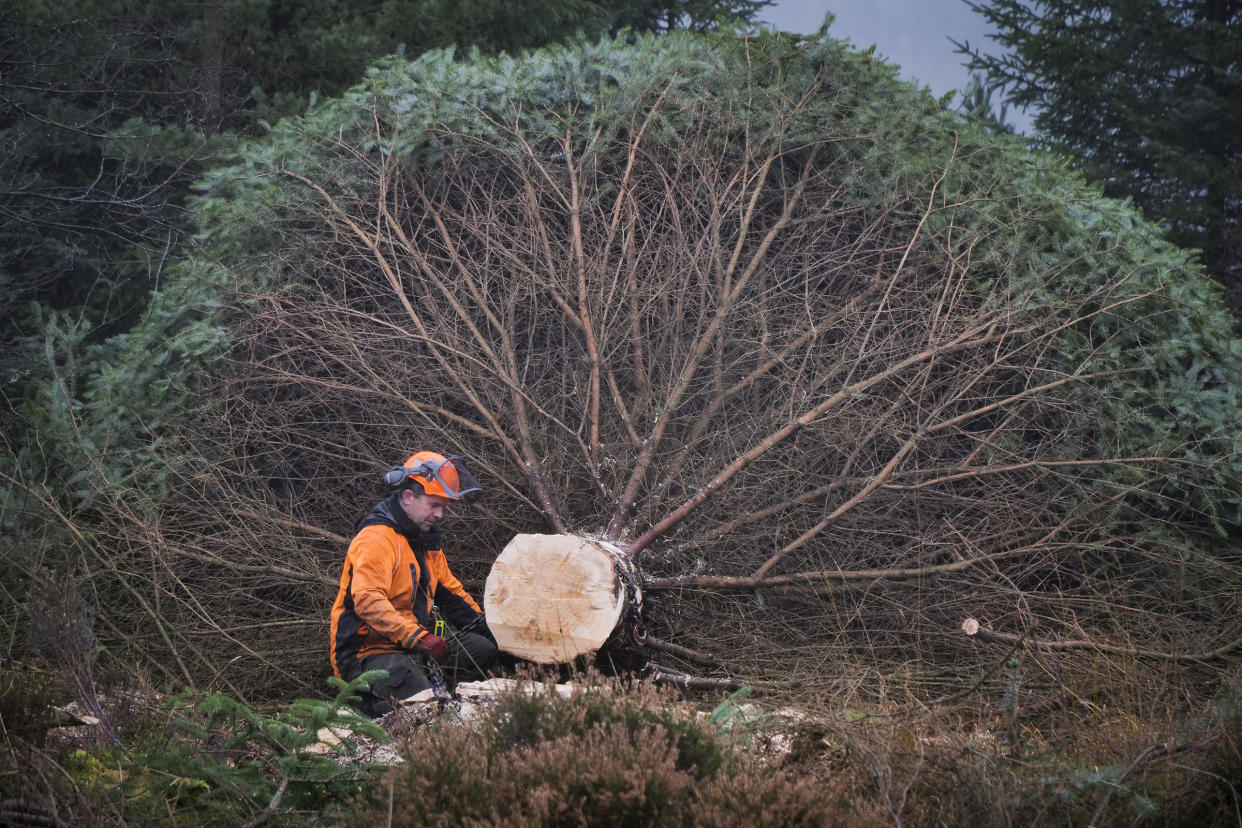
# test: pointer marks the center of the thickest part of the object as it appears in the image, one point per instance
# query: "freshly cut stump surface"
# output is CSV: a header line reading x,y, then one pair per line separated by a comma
x,y
552,598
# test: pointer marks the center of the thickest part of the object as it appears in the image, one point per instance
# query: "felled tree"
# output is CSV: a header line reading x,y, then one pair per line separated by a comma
x,y
832,368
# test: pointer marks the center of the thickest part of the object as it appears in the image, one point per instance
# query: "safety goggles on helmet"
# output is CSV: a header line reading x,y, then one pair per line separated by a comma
x,y
438,475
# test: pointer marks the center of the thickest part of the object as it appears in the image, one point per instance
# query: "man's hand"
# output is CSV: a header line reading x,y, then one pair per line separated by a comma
x,y
433,645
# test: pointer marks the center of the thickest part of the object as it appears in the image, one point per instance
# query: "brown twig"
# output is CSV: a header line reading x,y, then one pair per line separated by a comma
x,y
972,628
660,645
662,675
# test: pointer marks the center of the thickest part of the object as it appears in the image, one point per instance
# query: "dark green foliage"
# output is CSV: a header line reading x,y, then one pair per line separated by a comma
x,y
1143,97
102,126
109,111
977,103
695,15
223,762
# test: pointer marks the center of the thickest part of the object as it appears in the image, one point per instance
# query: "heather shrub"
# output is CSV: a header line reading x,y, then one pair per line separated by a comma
x,y
605,756
753,795
525,720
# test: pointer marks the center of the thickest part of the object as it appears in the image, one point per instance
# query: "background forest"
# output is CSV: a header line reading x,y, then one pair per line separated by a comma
x,y
925,429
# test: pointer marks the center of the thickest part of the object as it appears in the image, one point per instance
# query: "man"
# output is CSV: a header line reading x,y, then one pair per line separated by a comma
x,y
399,607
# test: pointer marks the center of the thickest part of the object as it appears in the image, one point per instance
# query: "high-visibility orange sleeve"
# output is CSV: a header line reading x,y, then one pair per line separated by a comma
x,y
381,585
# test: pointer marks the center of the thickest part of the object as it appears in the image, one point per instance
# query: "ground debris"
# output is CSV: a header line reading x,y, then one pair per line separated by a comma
x,y
463,707
776,734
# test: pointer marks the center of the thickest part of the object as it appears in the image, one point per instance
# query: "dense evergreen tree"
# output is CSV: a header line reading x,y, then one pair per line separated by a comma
x,y
1144,96
696,15
748,304
97,128
109,110
977,104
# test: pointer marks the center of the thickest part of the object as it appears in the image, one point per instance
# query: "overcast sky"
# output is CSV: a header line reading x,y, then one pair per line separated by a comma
x,y
914,34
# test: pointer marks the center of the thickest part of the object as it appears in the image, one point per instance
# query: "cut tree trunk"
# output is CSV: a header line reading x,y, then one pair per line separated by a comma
x,y
553,598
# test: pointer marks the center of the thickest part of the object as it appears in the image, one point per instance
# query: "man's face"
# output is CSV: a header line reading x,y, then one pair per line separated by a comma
x,y
424,509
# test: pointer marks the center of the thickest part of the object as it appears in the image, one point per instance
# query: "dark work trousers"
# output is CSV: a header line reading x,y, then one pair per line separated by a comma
x,y
470,657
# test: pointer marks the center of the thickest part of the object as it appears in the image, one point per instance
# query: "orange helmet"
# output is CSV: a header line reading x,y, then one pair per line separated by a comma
x,y
437,474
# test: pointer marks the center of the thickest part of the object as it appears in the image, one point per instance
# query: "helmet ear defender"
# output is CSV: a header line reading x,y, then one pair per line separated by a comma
x,y
395,476
445,477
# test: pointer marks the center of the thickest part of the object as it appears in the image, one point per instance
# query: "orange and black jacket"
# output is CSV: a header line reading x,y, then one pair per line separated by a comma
x,y
393,574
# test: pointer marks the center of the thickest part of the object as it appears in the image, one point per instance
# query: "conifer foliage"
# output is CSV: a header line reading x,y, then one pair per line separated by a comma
x,y
1144,97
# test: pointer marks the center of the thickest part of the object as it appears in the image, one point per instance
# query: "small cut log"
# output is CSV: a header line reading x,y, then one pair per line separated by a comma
x,y
552,598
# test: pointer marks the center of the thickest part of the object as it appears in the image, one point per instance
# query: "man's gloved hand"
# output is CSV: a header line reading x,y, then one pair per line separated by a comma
x,y
433,645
